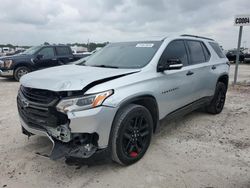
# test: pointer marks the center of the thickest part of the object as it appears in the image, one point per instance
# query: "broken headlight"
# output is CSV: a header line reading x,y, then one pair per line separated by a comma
x,y
83,103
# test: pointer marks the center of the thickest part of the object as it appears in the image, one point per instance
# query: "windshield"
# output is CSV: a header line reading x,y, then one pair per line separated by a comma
x,y
124,55
31,50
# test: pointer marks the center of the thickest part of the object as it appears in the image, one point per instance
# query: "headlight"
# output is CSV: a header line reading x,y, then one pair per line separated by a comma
x,y
7,63
82,103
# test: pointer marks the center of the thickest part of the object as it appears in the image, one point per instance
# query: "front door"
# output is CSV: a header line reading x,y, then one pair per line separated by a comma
x,y
176,86
46,58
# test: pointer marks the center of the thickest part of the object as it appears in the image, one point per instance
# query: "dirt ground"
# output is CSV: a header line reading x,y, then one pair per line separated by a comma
x,y
199,150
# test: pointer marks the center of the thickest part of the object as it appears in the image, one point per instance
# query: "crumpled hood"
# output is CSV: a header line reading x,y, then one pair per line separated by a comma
x,y
70,77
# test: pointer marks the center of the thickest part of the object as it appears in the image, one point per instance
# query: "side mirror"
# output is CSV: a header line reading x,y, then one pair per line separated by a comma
x,y
171,64
39,56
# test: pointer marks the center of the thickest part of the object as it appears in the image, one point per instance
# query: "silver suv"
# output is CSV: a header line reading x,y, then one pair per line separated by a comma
x,y
111,104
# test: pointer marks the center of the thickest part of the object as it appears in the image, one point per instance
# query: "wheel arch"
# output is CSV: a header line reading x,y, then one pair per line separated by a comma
x,y
22,64
149,102
224,79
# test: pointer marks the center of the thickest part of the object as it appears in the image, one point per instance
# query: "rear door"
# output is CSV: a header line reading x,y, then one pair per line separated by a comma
x,y
64,54
199,58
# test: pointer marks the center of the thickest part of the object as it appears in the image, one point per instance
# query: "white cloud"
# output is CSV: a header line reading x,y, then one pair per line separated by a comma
x,y
61,21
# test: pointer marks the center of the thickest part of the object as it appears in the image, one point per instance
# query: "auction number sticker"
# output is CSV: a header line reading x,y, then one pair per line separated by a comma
x,y
144,45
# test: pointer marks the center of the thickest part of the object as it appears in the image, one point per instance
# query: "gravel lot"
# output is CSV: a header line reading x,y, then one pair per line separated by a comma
x,y
199,150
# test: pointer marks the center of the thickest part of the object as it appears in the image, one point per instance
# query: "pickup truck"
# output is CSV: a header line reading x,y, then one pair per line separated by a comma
x,y
36,58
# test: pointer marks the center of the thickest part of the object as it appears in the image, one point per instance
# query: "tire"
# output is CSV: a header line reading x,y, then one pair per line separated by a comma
x,y
20,71
218,101
131,134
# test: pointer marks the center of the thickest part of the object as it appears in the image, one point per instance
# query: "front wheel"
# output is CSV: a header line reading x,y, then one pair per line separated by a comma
x,y
218,101
132,132
20,71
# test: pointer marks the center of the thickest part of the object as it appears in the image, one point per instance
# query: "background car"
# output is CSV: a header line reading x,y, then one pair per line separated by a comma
x,y
35,58
231,55
247,58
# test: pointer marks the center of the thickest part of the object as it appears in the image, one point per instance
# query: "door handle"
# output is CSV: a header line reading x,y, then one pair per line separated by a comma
x,y
213,67
54,59
189,73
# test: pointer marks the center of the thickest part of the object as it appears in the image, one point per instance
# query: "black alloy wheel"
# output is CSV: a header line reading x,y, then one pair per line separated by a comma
x,y
131,135
135,136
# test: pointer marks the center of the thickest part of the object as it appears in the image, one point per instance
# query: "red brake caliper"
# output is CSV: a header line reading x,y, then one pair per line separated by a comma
x,y
133,154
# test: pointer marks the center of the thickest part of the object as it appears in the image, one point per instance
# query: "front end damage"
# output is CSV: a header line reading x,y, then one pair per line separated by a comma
x,y
82,136
80,146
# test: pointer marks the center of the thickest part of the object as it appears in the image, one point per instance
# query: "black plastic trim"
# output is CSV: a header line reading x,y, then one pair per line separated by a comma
x,y
187,109
97,82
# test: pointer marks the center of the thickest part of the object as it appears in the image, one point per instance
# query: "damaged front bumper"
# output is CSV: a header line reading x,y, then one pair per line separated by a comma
x,y
84,152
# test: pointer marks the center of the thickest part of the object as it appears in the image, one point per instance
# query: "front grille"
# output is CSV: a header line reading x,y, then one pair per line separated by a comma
x,y
38,95
37,108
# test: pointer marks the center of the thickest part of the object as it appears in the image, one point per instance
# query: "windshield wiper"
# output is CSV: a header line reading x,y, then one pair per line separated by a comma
x,y
105,66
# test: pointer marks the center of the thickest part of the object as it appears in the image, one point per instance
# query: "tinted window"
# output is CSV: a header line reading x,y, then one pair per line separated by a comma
x,y
62,50
47,52
175,50
196,52
125,54
206,52
217,49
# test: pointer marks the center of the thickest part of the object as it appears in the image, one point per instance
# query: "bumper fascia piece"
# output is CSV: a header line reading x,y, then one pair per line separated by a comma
x,y
6,73
97,120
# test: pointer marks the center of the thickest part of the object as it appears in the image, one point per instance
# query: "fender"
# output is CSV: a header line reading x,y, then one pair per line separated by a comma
x,y
224,78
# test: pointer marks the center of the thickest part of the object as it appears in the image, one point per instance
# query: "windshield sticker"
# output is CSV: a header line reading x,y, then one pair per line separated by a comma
x,y
144,45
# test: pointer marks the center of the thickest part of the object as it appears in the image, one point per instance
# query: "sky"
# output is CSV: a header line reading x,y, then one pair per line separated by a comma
x,y
33,22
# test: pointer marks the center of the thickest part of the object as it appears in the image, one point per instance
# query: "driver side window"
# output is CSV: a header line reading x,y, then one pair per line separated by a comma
x,y
47,53
175,50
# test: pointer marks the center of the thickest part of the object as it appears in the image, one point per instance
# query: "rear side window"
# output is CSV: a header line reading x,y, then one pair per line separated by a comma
x,y
175,50
62,50
206,52
196,52
217,49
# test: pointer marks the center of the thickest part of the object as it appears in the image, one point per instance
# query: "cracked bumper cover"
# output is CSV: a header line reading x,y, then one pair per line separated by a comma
x,y
97,120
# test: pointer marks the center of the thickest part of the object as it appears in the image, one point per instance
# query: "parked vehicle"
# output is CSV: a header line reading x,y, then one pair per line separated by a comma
x,y
35,58
231,55
6,50
110,105
247,58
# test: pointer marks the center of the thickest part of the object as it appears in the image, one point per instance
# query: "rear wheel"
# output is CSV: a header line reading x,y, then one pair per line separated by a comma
x,y
20,71
132,132
218,101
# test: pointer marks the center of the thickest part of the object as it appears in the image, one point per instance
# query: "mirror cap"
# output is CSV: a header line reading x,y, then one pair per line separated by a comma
x,y
171,64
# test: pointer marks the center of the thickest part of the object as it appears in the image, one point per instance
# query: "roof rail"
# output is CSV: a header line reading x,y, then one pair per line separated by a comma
x,y
185,35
